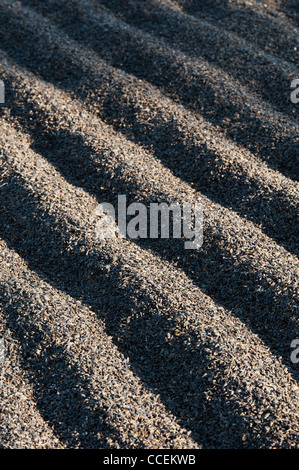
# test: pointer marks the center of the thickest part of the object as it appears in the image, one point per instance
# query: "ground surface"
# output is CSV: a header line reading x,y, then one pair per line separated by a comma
x,y
143,344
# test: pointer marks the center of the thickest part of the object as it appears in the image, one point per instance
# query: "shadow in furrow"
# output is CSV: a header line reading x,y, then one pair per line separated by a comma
x,y
245,21
186,158
249,31
181,80
196,36
61,394
291,10
191,382
233,284
269,75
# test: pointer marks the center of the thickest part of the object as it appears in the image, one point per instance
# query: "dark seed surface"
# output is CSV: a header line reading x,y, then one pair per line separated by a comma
x,y
141,343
